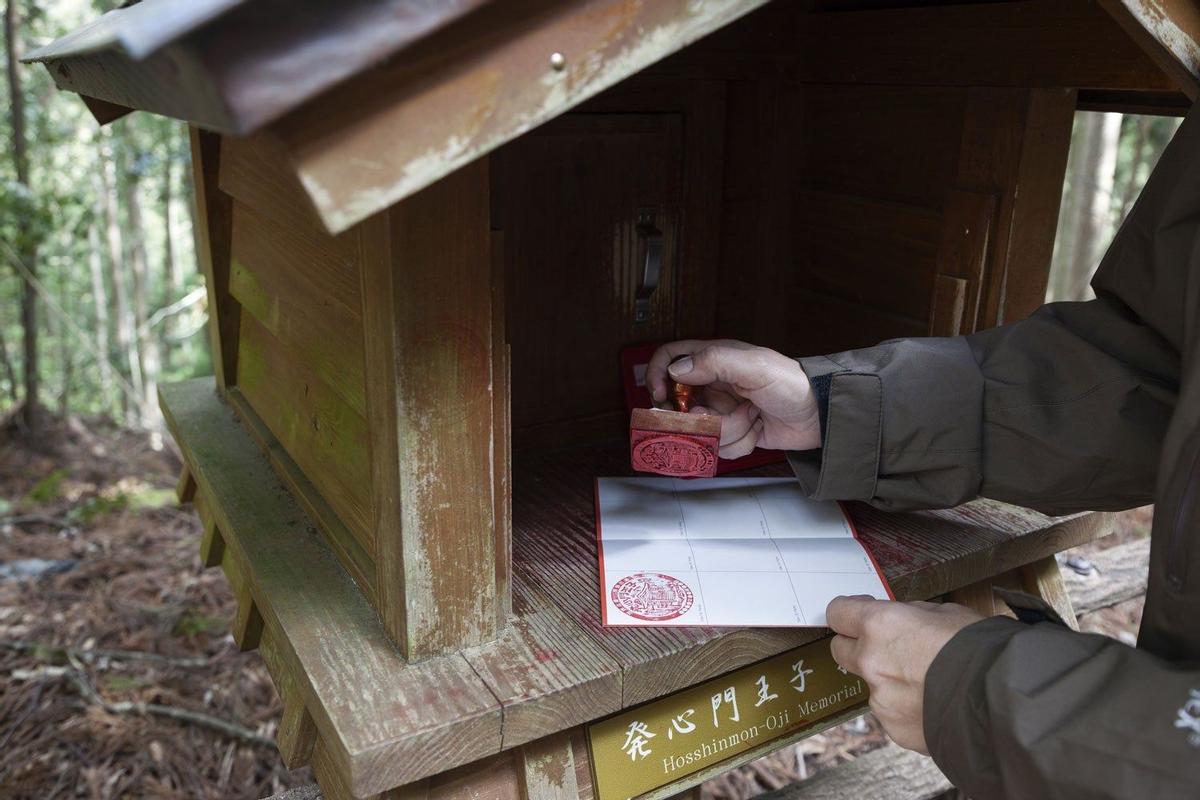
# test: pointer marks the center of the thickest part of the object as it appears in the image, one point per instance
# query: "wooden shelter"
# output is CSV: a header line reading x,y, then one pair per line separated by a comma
x,y
423,225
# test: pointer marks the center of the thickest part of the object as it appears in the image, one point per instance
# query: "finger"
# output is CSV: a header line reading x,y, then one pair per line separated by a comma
x,y
846,615
738,422
721,402
712,363
845,652
744,446
656,370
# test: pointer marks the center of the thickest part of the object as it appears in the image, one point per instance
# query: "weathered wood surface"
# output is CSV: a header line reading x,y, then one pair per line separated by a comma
x,y
1169,31
889,773
1031,43
356,559
923,555
382,723
214,230
500,84
306,293
427,299
1121,574
326,436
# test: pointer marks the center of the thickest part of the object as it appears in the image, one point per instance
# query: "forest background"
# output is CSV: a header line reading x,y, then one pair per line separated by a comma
x,y
100,298
118,676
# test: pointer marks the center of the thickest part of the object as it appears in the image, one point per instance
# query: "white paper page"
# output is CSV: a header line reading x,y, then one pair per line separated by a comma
x,y
724,551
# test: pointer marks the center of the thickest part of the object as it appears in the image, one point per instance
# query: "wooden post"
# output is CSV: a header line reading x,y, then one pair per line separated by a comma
x,y
214,236
427,277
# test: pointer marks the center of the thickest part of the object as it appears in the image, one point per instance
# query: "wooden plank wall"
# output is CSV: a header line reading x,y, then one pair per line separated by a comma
x,y
298,378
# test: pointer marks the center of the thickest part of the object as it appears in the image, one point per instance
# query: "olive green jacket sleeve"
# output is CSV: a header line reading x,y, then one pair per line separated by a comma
x,y
1064,411
1040,711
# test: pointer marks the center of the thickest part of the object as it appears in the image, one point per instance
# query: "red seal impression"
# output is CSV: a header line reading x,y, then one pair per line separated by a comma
x,y
673,455
652,596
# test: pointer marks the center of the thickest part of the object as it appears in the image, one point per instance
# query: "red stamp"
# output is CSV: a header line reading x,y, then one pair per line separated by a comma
x,y
674,443
674,455
652,596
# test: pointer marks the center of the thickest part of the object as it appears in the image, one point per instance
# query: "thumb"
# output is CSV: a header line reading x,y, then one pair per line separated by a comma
x,y
709,365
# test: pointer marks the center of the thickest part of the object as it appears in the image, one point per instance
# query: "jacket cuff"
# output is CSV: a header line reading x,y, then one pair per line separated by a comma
x,y
846,467
956,721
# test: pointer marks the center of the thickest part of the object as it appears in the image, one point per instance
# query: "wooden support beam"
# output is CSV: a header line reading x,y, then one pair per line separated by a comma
x,y
427,295
185,487
1044,579
214,236
1169,32
547,769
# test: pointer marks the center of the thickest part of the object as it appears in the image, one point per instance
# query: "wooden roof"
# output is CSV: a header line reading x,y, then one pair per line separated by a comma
x,y
376,99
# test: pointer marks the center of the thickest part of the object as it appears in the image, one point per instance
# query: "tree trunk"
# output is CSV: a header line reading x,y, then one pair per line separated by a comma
x,y
1087,222
1133,180
170,269
124,318
26,249
100,302
144,344
66,353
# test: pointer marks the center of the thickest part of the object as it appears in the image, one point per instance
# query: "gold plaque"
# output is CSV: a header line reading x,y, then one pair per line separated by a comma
x,y
665,740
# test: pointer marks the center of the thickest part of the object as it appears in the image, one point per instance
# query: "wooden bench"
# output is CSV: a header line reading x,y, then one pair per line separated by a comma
x,y
893,773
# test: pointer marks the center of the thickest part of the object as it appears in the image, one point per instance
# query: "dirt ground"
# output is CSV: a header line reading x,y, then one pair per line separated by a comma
x,y
118,677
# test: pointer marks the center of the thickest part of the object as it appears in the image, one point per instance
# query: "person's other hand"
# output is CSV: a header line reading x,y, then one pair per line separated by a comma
x,y
890,645
763,397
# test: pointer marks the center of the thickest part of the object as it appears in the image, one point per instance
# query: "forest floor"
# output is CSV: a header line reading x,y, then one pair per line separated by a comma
x,y
118,676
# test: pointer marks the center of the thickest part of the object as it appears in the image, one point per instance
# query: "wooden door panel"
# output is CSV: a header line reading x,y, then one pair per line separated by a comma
x,y
568,198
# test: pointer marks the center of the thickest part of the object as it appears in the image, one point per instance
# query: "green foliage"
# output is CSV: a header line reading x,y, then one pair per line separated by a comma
x,y
48,488
139,499
61,224
194,623
97,506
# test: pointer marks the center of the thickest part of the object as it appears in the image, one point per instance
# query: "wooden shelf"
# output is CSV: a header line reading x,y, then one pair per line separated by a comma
x,y
370,721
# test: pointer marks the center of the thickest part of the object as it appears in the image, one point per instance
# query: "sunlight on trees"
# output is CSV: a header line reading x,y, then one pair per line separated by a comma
x,y
99,232
1111,158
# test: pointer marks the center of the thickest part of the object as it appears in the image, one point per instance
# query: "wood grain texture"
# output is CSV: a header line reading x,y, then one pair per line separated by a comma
x,y
1037,187
580,261
501,484
1168,31
968,220
214,227
1030,43
382,723
875,252
185,487
498,86
305,293
889,773
547,673
257,172
547,769
1044,579
170,81
1121,574
946,306
427,273
356,559
923,555
326,437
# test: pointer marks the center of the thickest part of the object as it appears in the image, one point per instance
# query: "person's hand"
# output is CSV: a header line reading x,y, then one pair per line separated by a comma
x,y
762,396
890,645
